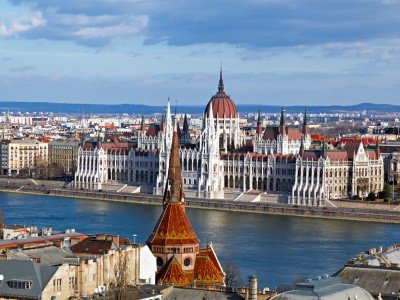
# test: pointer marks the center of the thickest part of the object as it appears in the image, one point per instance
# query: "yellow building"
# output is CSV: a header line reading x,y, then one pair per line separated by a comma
x,y
24,155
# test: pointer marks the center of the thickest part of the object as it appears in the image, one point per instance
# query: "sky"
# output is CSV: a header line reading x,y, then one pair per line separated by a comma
x,y
273,52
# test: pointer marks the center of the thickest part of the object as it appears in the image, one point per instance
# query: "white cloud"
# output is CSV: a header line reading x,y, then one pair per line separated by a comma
x,y
338,48
132,27
14,25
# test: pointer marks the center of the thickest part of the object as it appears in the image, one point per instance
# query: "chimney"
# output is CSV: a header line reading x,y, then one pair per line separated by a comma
x,y
253,287
115,240
100,236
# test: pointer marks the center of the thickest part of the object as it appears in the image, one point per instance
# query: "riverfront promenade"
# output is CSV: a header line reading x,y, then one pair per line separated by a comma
x,y
346,210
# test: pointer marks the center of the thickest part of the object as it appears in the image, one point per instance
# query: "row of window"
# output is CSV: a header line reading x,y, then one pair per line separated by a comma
x,y
20,284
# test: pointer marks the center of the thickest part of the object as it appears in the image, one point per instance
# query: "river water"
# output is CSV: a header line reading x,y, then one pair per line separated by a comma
x,y
278,249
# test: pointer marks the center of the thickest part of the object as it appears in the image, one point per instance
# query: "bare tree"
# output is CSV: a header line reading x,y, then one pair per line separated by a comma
x,y
233,277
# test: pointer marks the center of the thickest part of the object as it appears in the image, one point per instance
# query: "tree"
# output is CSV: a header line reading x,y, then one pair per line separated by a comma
x,y
385,194
371,197
233,278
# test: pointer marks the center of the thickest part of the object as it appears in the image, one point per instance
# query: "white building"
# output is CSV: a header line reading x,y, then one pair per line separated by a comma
x,y
278,160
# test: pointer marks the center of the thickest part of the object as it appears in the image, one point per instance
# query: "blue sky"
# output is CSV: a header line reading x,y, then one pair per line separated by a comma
x,y
283,52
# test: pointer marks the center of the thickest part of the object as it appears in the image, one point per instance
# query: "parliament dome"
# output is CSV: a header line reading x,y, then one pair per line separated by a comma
x,y
222,105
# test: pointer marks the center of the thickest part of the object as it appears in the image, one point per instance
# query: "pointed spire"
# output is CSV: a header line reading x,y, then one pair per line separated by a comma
x,y
168,111
282,128
142,125
282,119
221,81
186,131
168,121
301,152
259,127
173,190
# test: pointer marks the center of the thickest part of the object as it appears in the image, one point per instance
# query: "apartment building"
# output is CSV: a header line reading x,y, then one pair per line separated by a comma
x,y
22,155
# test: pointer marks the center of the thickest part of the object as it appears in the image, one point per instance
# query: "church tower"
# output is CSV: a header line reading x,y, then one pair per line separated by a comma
x,y
173,241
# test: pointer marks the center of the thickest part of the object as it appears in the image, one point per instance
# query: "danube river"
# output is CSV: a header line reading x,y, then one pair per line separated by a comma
x,y
277,249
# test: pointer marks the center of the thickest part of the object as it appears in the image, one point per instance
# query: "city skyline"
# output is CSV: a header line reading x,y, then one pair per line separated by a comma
x,y
141,52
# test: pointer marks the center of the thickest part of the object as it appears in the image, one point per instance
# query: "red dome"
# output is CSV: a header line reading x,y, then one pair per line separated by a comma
x,y
222,105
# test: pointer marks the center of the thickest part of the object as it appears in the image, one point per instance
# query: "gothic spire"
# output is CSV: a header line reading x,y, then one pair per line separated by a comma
x,y
282,119
282,128
301,152
142,127
174,190
221,81
185,126
259,127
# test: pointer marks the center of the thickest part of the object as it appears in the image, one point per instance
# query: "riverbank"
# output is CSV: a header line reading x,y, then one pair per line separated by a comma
x,y
340,213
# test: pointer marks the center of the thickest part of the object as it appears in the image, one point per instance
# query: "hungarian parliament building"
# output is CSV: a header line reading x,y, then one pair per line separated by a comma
x,y
279,160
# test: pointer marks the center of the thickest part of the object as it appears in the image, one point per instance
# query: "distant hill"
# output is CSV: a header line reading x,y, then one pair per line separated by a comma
x,y
190,109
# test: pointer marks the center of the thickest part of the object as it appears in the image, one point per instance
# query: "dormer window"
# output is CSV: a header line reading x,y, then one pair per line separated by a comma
x,y
20,284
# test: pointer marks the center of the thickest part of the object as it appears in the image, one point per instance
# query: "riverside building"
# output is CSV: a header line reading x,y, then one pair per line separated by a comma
x,y
277,162
22,155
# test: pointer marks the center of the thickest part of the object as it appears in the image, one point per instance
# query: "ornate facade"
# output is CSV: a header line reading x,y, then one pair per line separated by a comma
x,y
281,139
278,161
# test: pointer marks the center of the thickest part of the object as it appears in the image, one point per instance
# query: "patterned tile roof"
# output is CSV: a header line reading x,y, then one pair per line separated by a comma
x,y
172,273
173,227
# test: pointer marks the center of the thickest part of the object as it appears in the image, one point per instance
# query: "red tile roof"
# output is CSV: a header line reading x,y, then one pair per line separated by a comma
x,y
92,246
207,269
172,273
173,227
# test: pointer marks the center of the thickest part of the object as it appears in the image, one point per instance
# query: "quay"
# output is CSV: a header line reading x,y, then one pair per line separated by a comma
x,y
369,212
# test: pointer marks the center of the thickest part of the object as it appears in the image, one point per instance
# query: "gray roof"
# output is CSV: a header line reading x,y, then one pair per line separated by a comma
x,y
49,255
376,280
198,294
26,270
388,258
326,288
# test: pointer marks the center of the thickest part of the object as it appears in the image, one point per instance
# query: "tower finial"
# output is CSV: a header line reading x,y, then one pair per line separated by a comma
x,y
282,120
221,81
259,127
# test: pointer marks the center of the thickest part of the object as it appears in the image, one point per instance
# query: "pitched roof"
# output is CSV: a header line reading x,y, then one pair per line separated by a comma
x,y
48,255
272,132
93,246
375,280
172,273
207,269
24,270
173,227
